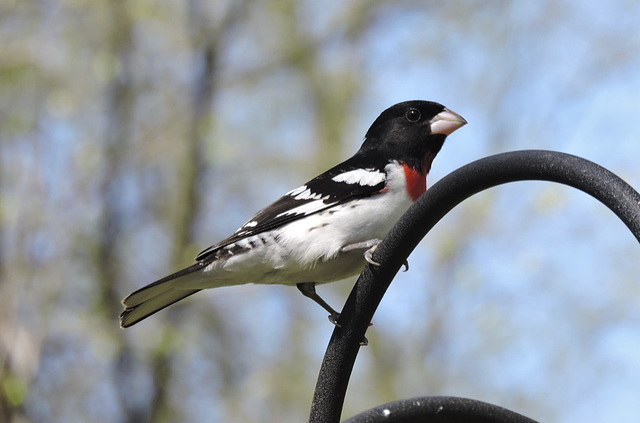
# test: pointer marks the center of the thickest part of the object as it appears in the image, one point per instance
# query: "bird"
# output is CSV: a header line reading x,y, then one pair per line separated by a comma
x,y
326,229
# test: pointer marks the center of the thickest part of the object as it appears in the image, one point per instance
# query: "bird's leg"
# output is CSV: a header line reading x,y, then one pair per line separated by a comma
x,y
308,289
371,246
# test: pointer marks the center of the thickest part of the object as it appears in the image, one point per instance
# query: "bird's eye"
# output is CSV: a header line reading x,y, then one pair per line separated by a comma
x,y
412,115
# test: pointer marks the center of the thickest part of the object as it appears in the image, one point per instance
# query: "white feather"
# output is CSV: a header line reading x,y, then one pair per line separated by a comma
x,y
366,177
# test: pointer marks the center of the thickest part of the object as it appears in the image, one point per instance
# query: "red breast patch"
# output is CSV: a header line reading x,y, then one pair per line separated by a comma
x,y
416,182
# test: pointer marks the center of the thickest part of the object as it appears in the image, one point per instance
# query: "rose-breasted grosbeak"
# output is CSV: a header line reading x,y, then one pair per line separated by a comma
x,y
326,229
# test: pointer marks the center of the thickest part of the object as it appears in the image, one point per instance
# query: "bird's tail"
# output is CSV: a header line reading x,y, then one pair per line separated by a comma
x,y
154,297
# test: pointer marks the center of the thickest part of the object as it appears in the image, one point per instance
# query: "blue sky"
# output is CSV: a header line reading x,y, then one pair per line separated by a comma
x,y
542,266
529,291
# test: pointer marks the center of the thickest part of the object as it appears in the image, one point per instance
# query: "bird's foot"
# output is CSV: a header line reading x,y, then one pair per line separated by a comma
x,y
371,247
333,318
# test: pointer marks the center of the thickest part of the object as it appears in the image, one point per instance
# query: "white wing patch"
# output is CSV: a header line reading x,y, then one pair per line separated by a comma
x,y
247,225
307,208
297,191
362,177
304,193
368,177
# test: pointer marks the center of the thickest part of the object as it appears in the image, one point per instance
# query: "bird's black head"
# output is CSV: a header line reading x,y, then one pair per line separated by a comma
x,y
412,132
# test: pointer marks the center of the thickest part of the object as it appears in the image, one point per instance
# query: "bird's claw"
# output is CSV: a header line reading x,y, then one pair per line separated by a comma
x,y
368,256
372,246
406,265
333,318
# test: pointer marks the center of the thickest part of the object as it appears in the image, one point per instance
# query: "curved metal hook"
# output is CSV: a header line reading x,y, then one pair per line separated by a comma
x,y
443,196
439,409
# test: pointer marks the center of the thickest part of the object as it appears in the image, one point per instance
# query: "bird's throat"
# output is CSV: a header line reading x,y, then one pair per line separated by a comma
x,y
416,182
416,179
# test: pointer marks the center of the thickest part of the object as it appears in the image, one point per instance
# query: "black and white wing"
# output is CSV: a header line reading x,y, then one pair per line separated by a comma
x,y
346,181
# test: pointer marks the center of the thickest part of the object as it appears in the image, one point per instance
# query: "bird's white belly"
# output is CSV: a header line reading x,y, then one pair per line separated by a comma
x,y
308,250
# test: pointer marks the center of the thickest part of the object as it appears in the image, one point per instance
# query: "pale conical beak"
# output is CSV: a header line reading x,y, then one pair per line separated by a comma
x,y
446,122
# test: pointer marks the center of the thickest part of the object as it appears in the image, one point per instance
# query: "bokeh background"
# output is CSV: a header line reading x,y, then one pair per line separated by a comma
x,y
134,134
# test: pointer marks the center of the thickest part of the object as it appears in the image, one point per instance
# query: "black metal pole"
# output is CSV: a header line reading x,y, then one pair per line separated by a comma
x,y
439,410
443,196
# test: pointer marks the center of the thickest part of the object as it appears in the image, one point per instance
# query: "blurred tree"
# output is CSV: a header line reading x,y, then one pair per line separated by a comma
x,y
132,134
